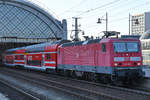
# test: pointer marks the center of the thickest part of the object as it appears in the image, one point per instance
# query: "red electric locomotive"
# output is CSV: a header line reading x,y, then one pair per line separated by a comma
x,y
107,58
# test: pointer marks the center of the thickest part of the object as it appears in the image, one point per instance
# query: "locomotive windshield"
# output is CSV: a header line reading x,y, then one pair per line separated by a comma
x,y
126,47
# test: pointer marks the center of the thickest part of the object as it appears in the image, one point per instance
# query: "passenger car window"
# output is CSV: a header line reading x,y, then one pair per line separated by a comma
x,y
48,56
16,57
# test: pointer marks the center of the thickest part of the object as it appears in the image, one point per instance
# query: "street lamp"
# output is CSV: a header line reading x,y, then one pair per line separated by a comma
x,y
106,19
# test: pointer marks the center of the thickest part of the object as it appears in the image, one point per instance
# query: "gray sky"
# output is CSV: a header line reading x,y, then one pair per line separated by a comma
x,y
90,10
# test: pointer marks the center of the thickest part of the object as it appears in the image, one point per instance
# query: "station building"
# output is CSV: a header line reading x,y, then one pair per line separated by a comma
x,y
23,21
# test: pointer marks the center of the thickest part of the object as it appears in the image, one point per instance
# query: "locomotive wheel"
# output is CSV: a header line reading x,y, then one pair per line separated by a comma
x,y
73,75
89,76
50,71
92,76
79,74
102,78
60,72
67,73
86,76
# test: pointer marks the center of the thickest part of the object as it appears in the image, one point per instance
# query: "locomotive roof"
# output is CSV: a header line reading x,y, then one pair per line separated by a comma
x,y
81,43
95,41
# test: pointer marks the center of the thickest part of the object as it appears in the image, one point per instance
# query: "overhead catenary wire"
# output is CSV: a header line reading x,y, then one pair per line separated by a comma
x,y
104,6
120,19
112,7
129,9
73,7
116,6
113,19
93,9
99,7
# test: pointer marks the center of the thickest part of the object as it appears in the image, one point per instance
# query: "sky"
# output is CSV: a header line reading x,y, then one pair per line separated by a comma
x,y
90,10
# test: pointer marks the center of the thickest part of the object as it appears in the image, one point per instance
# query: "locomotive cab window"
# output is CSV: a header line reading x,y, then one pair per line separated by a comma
x,y
48,56
103,47
126,46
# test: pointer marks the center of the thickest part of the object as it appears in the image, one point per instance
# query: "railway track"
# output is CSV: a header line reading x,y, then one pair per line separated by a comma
x,y
83,89
21,92
80,93
133,89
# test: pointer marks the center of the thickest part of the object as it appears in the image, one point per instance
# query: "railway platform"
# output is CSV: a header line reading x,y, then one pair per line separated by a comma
x,y
146,69
3,97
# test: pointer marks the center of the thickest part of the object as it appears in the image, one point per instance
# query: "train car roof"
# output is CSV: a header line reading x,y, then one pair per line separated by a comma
x,y
10,51
41,47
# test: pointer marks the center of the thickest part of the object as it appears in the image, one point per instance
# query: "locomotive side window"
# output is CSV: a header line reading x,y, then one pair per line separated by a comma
x,y
48,56
59,51
103,47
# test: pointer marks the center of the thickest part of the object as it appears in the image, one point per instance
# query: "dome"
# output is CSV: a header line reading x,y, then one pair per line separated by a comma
x,y
23,19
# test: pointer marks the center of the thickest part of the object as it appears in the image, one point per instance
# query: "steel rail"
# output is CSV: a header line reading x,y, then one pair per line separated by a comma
x,y
84,94
19,90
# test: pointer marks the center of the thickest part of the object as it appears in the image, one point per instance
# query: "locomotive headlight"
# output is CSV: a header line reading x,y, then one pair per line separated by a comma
x,y
138,64
115,64
135,58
